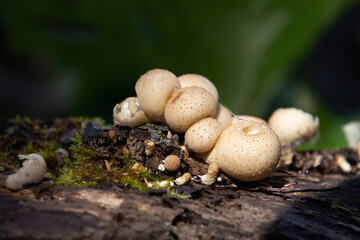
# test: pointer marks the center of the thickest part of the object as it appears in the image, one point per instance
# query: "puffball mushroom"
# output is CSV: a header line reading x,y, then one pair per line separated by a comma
x,y
202,135
238,118
172,163
246,151
188,80
224,116
187,106
129,113
153,90
32,171
293,126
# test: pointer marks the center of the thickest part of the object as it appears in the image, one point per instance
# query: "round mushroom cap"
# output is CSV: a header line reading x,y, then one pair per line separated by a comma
x,y
202,135
224,116
153,90
293,126
129,113
190,79
172,163
238,118
246,151
187,106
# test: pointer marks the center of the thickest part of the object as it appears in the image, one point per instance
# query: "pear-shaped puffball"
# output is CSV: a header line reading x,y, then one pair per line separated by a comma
x,y
188,80
187,106
32,171
240,118
129,113
202,135
293,126
224,116
246,151
153,90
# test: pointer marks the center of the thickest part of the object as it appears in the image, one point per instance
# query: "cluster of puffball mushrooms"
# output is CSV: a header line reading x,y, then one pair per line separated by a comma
x,y
244,147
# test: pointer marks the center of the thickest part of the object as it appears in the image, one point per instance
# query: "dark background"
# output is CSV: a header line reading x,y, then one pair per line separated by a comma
x,y
80,58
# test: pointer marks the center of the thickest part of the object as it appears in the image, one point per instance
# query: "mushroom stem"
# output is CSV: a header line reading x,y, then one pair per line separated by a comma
x,y
211,176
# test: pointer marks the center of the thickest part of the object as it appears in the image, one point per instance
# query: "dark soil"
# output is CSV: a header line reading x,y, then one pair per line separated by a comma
x,y
308,197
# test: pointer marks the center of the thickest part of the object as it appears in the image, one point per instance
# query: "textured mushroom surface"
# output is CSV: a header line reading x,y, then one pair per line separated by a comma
x,y
239,118
187,106
293,126
172,163
153,90
246,151
188,80
224,116
202,135
129,113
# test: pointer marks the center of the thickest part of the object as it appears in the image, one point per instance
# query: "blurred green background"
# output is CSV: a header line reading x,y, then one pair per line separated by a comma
x,y
80,58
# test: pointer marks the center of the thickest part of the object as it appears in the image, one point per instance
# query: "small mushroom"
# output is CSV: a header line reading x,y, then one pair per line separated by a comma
x,y
238,118
202,135
184,179
224,116
187,106
153,90
246,151
172,163
129,113
188,80
293,126
149,147
211,176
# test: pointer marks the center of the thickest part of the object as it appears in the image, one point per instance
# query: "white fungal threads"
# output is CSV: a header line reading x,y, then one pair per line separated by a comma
x,y
211,176
32,171
184,179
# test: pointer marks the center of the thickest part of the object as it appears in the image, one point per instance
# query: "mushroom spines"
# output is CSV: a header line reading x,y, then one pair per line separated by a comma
x,y
153,90
187,106
191,79
246,151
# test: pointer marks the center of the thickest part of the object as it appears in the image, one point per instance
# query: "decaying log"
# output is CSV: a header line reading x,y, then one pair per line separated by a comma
x,y
294,203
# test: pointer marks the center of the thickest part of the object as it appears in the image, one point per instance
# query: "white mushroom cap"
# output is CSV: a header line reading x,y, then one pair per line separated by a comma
x,y
293,126
32,171
239,118
129,113
153,90
246,151
202,135
187,106
188,80
224,116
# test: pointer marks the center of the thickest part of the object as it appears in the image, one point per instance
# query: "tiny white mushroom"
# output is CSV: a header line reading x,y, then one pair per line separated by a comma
x,y
188,80
153,90
343,164
224,116
184,179
211,176
187,106
202,135
246,151
161,167
293,126
129,113
32,171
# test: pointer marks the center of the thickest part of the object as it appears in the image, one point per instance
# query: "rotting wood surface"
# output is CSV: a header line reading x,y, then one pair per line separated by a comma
x,y
318,204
